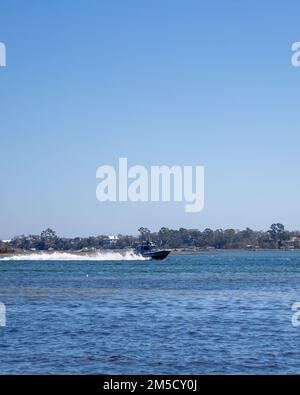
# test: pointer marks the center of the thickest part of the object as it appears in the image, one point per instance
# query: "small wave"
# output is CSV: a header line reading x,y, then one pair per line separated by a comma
x,y
67,256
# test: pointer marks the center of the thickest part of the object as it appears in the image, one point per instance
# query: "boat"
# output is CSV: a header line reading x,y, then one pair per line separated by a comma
x,y
149,250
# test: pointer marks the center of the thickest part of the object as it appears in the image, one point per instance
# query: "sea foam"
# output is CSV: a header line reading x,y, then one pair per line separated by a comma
x,y
67,256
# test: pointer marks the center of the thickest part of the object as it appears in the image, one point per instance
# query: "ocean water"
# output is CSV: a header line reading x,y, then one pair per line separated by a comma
x,y
226,312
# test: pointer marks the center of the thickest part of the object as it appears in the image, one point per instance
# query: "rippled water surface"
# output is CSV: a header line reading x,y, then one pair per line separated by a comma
x,y
228,312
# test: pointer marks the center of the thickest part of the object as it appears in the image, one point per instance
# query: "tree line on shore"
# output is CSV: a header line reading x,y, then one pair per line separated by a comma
x,y
275,238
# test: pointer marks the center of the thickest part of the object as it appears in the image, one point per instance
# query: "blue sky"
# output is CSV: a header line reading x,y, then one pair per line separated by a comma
x,y
159,82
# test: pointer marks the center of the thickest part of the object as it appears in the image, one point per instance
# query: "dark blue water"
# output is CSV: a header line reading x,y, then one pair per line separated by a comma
x,y
222,313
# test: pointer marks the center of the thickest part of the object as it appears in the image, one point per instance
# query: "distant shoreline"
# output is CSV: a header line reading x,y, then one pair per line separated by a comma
x,y
191,241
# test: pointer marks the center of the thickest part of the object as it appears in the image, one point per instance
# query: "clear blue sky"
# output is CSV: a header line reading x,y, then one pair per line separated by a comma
x,y
160,82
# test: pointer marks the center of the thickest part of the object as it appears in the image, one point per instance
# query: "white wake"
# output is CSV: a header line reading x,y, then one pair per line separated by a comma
x,y
67,256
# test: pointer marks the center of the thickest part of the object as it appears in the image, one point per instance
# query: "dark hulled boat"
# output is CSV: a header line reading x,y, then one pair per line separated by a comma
x,y
149,250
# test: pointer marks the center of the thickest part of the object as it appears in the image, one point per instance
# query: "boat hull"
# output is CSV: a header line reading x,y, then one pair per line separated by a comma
x,y
157,255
